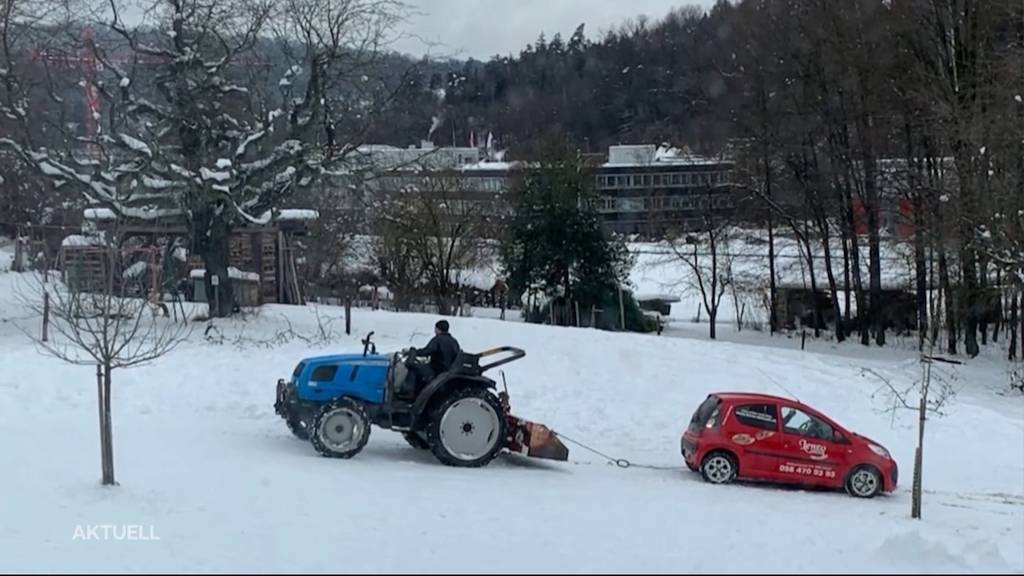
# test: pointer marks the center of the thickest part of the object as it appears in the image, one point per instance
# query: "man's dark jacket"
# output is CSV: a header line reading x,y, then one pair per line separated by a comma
x,y
442,350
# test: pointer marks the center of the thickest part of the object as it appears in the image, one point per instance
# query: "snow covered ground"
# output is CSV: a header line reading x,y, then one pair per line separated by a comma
x,y
207,467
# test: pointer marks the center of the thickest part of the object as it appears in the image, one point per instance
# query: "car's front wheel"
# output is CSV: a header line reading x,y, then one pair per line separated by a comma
x,y
864,482
719,468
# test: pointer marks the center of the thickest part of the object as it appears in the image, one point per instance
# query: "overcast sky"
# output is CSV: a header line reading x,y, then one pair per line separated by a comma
x,y
483,28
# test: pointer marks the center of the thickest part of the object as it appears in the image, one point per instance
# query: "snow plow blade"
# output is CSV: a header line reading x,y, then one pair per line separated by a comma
x,y
535,440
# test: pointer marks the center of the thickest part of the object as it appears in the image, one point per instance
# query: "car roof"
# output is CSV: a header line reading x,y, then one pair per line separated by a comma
x,y
744,396
756,396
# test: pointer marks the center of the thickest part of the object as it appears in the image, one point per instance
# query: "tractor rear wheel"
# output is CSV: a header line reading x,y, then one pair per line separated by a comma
x,y
341,429
467,429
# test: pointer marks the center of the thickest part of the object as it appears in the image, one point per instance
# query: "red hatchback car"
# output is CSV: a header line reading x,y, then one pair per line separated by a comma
x,y
762,437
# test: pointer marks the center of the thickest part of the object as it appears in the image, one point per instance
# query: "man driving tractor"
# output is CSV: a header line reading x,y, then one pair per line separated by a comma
x,y
442,350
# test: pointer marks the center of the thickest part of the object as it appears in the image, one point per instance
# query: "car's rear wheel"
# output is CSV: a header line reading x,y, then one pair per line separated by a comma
x,y
864,482
719,468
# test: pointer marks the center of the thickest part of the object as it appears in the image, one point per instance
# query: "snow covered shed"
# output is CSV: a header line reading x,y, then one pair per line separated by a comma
x,y
263,256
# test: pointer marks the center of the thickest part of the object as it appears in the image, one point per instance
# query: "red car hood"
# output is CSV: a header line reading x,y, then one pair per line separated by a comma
x,y
866,439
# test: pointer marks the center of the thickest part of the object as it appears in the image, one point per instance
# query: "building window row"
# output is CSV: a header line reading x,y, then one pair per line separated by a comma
x,y
620,181
641,204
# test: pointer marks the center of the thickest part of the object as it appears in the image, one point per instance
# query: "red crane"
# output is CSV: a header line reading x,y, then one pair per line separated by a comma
x,y
87,62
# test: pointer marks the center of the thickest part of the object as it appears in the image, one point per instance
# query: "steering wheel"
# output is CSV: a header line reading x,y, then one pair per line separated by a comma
x,y
408,356
807,427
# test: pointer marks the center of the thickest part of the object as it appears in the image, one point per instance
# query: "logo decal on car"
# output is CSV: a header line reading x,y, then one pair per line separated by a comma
x,y
743,439
816,451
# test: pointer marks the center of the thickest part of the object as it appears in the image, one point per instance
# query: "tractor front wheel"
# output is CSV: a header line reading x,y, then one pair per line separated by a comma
x,y
467,429
341,429
298,427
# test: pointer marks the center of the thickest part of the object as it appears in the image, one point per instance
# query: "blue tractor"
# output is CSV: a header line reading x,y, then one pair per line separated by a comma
x,y
458,415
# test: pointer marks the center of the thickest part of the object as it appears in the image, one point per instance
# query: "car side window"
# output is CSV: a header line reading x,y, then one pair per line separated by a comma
x,y
324,374
800,423
763,416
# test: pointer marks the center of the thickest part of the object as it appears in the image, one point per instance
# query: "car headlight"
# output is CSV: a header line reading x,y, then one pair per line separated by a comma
x,y
879,450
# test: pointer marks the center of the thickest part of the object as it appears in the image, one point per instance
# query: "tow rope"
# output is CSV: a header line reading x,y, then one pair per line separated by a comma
x,y
620,462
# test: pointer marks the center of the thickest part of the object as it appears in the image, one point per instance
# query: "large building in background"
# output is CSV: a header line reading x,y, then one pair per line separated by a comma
x,y
459,178
652,191
643,190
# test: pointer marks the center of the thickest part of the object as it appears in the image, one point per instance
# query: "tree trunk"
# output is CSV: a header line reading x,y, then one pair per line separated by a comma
x,y
999,306
814,282
983,306
871,210
214,248
1013,327
933,300
920,271
100,404
921,274
858,284
106,429
348,312
970,300
947,298
622,311
713,309
832,286
773,321
875,275
846,277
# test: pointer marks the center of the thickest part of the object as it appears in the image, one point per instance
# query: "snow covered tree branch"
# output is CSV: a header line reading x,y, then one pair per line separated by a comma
x,y
185,122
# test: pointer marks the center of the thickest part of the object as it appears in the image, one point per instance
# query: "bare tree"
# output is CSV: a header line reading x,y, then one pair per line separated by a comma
x,y
706,255
98,321
930,394
442,224
187,122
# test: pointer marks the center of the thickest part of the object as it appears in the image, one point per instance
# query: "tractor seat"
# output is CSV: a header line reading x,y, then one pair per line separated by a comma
x,y
466,363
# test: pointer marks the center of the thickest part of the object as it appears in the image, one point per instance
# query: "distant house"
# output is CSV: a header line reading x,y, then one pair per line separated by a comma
x,y
153,252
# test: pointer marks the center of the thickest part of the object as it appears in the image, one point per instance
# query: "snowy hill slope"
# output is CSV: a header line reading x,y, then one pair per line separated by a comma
x,y
206,465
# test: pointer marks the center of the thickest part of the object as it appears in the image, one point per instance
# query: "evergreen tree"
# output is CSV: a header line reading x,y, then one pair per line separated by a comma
x,y
555,244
